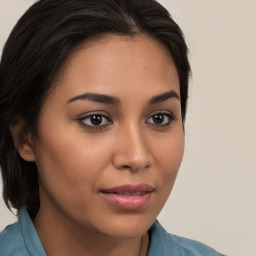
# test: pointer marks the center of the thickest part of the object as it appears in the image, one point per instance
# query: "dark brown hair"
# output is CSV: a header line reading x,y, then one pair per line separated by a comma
x,y
36,51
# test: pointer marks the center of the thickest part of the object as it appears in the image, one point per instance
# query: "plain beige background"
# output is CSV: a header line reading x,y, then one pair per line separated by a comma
x,y
214,199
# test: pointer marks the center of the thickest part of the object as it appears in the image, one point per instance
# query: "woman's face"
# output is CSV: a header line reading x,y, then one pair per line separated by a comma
x,y
110,139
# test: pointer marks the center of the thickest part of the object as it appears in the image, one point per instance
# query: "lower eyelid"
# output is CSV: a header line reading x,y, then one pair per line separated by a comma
x,y
82,121
171,117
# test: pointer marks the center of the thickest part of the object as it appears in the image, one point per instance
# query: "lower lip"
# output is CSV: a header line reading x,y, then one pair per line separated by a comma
x,y
128,202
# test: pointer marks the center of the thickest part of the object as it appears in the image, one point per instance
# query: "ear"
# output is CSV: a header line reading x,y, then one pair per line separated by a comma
x,y
23,142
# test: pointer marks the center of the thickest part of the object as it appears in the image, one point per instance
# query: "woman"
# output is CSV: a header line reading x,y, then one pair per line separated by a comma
x,y
93,104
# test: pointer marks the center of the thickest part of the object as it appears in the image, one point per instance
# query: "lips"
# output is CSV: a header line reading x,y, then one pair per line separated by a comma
x,y
128,197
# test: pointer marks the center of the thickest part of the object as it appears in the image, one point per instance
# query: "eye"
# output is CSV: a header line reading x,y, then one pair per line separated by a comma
x,y
95,120
161,119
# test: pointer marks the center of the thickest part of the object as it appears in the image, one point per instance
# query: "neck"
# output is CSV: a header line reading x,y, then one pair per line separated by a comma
x,y
65,238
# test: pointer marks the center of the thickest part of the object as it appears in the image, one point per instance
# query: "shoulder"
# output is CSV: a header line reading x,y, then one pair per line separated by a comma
x,y
21,238
12,242
163,243
192,247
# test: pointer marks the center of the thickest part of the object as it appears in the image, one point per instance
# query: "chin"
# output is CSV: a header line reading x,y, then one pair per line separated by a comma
x,y
127,226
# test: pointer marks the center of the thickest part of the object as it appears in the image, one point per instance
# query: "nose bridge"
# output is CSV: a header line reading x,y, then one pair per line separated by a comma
x,y
132,151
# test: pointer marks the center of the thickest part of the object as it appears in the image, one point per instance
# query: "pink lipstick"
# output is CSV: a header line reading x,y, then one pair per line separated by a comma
x,y
128,197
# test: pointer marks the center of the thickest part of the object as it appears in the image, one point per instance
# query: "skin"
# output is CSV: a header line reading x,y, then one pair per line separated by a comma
x,y
76,161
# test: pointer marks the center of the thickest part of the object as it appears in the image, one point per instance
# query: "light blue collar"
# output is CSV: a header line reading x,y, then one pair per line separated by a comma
x,y
31,238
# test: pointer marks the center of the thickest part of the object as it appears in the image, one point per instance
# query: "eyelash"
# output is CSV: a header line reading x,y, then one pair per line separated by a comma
x,y
170,116
94,127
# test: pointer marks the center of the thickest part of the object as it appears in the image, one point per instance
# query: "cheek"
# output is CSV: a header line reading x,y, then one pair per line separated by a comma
x,y
66,161
169,155
169,152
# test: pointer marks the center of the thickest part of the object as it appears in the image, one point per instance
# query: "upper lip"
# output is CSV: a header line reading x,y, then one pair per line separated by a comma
x,y
129,188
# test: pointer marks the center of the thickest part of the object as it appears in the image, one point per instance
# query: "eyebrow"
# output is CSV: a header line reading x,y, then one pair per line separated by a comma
x,y
106,99
163,97
100,98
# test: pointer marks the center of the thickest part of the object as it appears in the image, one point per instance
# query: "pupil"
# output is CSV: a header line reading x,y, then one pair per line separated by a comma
x,y
158,119
96,120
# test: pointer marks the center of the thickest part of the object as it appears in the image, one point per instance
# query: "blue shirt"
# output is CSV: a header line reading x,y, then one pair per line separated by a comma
x,y
21,239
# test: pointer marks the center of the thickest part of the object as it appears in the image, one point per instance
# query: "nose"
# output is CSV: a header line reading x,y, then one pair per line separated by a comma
x,y
132,150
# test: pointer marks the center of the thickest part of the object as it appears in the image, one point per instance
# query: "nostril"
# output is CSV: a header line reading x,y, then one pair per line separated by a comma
x,y
128,167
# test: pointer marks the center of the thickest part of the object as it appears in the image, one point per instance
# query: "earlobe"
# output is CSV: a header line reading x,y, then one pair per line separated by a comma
x,y
23,142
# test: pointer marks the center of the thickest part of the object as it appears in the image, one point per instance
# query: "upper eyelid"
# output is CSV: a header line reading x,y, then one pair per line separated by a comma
x,y
87,115
81,121
94,113
103,113
110,118
169,115
162,111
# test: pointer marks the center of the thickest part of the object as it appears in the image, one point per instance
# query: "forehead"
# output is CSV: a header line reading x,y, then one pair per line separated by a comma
x,y
121,64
